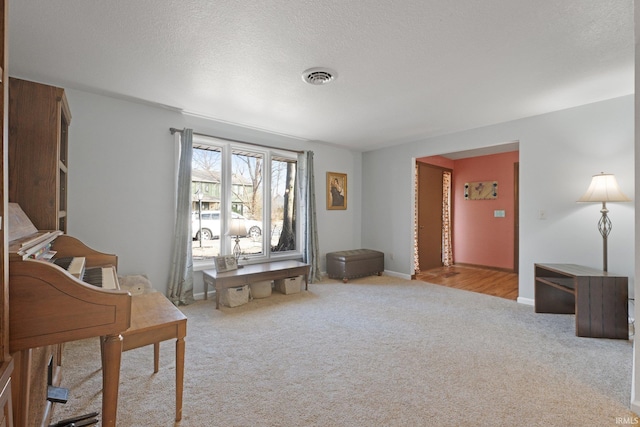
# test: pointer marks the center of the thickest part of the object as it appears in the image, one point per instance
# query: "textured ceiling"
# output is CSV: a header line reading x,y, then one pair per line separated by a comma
x,y
407,69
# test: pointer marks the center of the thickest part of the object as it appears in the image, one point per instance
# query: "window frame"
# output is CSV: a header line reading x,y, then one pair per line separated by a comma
x,y
227,150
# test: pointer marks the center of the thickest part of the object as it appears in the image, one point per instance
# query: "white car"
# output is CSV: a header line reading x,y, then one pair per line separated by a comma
x,y
211,225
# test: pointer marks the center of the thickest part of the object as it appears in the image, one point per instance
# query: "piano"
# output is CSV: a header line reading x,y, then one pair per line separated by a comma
x,y
51,302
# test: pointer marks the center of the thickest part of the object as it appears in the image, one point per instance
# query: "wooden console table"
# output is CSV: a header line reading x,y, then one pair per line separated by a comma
x,y
597,298
253,273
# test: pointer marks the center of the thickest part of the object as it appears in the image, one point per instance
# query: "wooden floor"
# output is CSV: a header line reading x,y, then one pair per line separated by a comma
x,y
485,281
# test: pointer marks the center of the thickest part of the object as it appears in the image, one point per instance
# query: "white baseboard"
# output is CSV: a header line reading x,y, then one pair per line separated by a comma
x,y
386,273
526,301
396,274
200,295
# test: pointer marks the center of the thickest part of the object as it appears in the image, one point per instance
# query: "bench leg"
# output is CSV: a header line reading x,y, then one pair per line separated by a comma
x,y
156,357
179,376
112,354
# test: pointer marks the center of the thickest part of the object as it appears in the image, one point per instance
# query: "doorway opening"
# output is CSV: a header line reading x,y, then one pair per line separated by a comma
x,y
463,242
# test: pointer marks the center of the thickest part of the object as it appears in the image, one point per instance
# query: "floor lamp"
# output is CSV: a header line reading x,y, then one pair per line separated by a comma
x,y
604,188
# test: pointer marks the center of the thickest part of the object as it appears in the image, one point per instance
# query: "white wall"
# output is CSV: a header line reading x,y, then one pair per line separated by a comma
x,y
635,379
121,181
122,165
559,152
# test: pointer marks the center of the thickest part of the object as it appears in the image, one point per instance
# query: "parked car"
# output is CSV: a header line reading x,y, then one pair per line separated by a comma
x,y
211,225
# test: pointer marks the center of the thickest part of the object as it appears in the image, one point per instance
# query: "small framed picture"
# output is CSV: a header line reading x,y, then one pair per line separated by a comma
x,y
336,190
225,263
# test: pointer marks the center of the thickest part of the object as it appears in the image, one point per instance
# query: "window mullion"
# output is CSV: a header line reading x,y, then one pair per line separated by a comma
x,y
226,198
266,206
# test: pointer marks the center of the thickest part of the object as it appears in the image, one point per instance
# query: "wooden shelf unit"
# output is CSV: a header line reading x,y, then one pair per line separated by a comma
x,y
39,119
598,299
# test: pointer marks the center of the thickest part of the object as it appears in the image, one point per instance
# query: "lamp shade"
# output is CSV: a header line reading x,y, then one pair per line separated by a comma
x,y
237,228
604,188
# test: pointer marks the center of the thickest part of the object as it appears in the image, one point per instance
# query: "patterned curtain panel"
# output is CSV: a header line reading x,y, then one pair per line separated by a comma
x,y
447,251
180,290
416,258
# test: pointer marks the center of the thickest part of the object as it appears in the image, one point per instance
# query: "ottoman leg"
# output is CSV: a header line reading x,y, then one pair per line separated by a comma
x,y
345,280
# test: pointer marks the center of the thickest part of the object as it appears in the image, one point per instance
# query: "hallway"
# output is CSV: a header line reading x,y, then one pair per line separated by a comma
x,y
482,280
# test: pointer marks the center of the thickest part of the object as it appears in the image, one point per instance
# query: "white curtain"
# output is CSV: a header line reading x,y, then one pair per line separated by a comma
x,y
180,290
310,253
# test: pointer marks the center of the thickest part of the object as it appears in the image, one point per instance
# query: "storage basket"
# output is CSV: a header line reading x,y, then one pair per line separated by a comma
x,y
290,285
260,289
233,297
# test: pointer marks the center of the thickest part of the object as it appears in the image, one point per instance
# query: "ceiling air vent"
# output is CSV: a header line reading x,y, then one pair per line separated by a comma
x,y
318,76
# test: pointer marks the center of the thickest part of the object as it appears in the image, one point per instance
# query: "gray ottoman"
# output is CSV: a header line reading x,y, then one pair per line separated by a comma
x,y
347,265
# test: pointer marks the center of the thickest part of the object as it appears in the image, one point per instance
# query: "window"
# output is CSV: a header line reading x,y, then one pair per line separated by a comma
x,y
248,184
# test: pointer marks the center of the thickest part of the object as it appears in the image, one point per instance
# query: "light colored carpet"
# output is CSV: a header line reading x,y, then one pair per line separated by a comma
x,y
378,351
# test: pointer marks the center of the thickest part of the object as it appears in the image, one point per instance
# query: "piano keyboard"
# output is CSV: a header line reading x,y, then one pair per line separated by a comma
x,y
103,277
74,265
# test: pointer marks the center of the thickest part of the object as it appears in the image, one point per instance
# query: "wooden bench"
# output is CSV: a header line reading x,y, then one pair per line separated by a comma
x,y
154,319
253,273
354,263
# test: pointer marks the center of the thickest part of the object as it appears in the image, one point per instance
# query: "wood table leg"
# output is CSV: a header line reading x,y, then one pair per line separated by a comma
x,y
217,295
156,357
112,356
179,376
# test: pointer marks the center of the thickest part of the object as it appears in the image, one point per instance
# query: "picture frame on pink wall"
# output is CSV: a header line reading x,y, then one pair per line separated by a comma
x,y
481,190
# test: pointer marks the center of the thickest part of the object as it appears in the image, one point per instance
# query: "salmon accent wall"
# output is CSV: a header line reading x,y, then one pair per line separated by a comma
x,y
478,237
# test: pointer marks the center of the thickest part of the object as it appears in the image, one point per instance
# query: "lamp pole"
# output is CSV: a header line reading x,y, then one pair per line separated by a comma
x,y
604,226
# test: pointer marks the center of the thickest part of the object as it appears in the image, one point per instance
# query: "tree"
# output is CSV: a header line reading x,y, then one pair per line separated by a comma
x,y
254,173
287,239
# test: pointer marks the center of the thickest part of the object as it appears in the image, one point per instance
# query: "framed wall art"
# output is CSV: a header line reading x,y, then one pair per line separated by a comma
x,y
336,190
483,190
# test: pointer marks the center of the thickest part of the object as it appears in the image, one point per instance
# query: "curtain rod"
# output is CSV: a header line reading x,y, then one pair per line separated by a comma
x,y
174,130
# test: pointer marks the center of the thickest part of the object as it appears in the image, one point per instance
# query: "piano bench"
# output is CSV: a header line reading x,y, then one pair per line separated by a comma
x,y
154,319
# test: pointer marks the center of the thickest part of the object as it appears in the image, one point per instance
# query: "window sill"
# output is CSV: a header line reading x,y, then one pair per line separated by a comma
x,y
208,264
